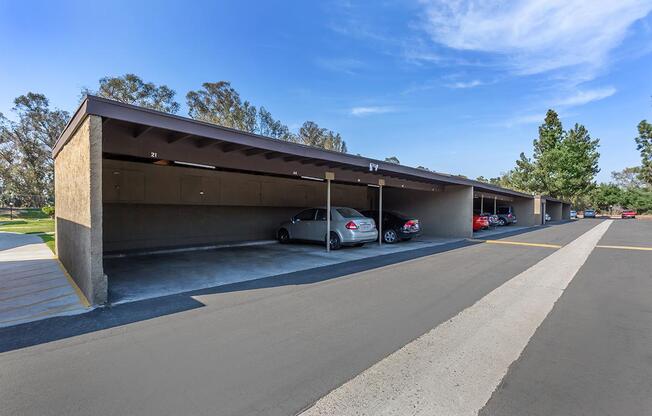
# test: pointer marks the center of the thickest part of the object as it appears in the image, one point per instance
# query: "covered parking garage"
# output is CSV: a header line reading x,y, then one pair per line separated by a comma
x,y
557,209
493,200
132,181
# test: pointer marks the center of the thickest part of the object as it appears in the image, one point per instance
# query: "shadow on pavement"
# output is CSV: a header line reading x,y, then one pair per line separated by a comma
x,y
57,328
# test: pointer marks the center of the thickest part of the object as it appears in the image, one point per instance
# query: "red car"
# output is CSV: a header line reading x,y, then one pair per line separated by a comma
x,y
480,222
628,213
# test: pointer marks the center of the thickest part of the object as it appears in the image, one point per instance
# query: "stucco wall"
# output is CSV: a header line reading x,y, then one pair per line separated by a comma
x,y
554,209
442,214
78,184
524,209
151,206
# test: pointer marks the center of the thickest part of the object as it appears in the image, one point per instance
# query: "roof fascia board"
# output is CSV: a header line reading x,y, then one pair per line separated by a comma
x,y
103,107
71,128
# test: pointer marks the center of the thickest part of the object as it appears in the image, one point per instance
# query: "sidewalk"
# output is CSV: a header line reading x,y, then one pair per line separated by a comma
x,y
33,285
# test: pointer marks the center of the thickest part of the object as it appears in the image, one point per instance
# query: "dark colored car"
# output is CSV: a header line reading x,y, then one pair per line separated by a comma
x,y
628,213
506,215
396,226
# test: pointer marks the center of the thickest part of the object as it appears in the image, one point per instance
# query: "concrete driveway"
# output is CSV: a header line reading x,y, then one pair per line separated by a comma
x,y
32,283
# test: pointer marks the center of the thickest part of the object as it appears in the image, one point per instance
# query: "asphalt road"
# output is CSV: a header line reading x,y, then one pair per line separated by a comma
x,y
593,354
275,349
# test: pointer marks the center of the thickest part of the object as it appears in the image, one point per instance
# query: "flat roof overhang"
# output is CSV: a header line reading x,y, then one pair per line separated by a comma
x,y
549,198
145,134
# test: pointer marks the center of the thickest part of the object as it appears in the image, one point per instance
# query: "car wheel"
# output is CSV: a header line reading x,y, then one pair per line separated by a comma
x,y
283,236
335,241
502,222
390,236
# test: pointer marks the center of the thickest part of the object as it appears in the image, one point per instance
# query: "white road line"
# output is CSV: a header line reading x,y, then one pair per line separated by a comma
x,y
454,369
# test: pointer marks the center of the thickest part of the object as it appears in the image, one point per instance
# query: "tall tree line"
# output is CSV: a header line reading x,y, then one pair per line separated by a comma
x,y
631,187
217,103
564,163
26,141
26,164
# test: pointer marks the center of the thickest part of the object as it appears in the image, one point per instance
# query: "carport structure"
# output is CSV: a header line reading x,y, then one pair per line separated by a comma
x,y
133,179
490,199
557,209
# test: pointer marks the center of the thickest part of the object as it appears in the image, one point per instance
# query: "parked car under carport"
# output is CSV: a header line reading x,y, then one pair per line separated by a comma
x,y
348,227
396,226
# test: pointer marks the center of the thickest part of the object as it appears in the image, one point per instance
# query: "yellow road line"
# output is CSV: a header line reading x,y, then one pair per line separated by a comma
x,y
627,248
519,243
80,294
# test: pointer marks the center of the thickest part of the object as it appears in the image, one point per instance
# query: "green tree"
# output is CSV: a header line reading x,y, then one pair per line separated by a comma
x,y
605,196
628,178
392,159
644,145
131,89
26,164
270,127
522,177
576,164
219,103
312,135
545,155
637,198
563,164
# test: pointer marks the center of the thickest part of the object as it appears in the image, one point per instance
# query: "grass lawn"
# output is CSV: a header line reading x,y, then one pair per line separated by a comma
x,y
30,222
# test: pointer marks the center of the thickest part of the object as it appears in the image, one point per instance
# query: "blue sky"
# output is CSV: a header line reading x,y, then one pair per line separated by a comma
x,y
457,88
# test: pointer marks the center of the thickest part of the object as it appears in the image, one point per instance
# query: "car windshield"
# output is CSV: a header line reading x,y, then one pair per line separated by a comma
x,y
348,213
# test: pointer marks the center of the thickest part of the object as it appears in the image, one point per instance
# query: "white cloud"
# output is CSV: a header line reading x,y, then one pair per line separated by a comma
x,y
536,36
465,84
586,96
365,111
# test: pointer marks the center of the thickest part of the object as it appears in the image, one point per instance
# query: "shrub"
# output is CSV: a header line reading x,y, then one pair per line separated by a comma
x,y
48,210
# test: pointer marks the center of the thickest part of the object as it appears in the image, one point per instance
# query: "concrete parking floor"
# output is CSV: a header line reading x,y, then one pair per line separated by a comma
x,y
492,231
32,284
142,277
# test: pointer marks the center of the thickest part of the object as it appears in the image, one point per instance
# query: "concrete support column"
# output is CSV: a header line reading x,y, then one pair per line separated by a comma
x,y
525,210
78,217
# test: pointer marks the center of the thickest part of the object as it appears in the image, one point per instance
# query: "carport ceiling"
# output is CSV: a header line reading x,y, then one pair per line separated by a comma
x,y
141,133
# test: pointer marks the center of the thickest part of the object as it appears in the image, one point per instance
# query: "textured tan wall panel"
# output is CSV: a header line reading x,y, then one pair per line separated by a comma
x,y
78,195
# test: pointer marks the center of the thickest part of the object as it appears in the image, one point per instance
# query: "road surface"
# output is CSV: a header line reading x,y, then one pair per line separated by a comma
x,y
278,346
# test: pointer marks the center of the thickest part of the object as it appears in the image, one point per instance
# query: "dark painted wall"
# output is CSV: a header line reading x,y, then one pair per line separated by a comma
x,y
150,206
